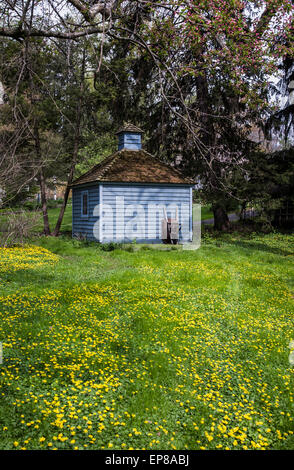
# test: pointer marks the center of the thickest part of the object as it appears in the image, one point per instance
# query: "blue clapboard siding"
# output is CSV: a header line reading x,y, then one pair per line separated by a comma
x,y
144,195
128,140
83,226
116,218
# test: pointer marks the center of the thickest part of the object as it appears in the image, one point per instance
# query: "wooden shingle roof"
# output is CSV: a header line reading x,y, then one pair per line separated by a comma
x,y
133,166
128,127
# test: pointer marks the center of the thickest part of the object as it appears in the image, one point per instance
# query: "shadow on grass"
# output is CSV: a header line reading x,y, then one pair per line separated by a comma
x,y
260,247
27,277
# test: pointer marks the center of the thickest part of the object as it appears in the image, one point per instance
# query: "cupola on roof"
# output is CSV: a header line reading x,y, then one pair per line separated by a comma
x,y
128,127
132,164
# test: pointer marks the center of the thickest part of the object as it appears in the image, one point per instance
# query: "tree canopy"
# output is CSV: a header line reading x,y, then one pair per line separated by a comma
x,y
196,75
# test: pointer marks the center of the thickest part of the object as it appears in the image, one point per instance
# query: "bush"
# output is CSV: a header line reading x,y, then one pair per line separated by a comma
x,y
111,246
31,205
18,227
52,203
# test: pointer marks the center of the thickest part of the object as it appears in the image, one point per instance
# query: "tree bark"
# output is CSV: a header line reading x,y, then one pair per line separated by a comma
x,y
42,182
66,194
44,203
75,151
221,219
243,211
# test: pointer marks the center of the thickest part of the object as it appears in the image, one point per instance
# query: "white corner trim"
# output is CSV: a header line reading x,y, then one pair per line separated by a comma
x,y
100,211
191,214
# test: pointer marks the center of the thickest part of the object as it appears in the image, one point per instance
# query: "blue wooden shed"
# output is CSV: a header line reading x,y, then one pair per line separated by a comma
x,y
129,195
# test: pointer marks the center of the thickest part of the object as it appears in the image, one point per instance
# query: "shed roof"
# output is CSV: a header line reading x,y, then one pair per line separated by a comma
x,y
133,166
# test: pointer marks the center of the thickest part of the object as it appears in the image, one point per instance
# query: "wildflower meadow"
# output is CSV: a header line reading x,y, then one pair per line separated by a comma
x,y
147,349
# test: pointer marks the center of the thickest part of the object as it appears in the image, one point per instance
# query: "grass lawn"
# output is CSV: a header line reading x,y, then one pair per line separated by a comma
x,y
53,214
66,226
206,212
147,349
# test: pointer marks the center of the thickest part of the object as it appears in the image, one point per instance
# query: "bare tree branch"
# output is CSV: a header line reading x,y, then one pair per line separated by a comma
x,y
16,33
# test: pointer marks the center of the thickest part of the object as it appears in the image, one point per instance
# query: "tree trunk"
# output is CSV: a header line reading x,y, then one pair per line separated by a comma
x,y
64,202
44,202
242,214
75,151
221,219
42,182
71,172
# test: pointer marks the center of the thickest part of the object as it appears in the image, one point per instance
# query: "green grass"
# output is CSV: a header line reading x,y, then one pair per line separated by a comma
x,y
53,214
67,220
147,349
206,212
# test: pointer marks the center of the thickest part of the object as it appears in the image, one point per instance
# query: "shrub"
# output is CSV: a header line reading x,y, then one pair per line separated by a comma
x,y
17,227
53,203
31,205
110,246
